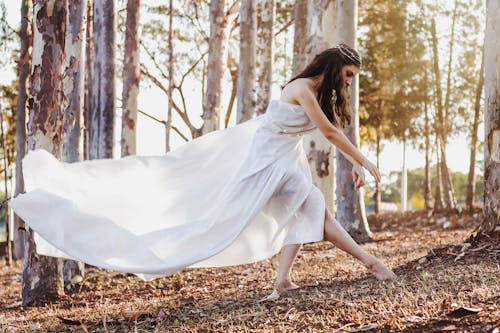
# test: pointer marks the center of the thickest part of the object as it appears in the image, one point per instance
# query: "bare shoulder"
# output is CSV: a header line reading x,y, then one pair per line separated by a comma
x,y
292,91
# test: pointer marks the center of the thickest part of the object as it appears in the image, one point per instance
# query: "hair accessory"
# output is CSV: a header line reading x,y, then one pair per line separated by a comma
x,y
346,51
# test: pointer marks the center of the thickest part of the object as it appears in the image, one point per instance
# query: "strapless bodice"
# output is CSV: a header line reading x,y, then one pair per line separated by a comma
x,y
286,118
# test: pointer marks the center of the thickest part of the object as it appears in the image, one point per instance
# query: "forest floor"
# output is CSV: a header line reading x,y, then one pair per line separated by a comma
x,y
446,283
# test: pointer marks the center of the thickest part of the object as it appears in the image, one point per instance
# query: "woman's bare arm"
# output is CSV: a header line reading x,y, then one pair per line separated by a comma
x,y
335,135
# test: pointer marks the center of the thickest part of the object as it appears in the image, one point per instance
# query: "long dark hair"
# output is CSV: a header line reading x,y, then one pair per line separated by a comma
x,y
330,63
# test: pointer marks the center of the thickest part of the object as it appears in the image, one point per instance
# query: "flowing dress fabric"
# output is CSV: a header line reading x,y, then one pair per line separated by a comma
x,y
230,197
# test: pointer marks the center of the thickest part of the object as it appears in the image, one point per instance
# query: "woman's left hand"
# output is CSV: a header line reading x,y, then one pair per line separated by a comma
x,y
358,175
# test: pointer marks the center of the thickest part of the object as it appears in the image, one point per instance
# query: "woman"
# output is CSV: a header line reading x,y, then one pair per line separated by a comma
x,y
229,197
322,90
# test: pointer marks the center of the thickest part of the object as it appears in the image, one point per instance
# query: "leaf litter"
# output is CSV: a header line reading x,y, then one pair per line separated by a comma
x,y
448,280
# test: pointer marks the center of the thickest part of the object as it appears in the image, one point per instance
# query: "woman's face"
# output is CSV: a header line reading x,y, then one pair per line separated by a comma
x,y
348,73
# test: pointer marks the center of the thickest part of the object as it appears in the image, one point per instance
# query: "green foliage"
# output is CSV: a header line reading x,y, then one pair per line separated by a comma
x,y
391,189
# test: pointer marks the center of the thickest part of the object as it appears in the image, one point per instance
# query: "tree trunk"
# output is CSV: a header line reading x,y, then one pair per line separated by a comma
x,y
74,81
350,203
25,35
8,242
377,198
89,70
246,69
491,206
168,124
471,183
300,38
320,36
265,53
404,180
448,192
131,77
102,126
438,197
217,64
427,185
42,276
234,86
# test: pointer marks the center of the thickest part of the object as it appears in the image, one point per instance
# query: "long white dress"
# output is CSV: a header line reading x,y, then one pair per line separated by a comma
x,y
230,197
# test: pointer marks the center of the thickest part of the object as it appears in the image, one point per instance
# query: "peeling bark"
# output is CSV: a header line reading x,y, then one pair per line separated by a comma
x,y
74,80
265,53
217,64
42,276
102,127
89,69
74,74
491,206
320,35
350,203
246,68
25,36
300,37
131,78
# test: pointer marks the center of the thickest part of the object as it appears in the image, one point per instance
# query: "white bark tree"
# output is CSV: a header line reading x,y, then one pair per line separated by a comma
x,y
217,64
350,203
42,276
300,37
491,206
246,68
74,80
102,127
265,53
320,35
25,36
131,78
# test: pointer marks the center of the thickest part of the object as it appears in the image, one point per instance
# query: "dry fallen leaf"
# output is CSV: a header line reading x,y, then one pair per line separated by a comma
x,y
464,311
133,315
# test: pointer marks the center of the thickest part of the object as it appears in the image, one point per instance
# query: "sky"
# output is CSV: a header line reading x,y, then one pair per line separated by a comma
x,y
151,135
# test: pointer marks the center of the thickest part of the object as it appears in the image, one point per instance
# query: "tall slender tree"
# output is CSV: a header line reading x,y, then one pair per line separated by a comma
x,y
471,181
320,35
74,79
265,53
89,70
131,77
350,203
491,206
42,276
246,68
102,127
25,36
217,63
300,37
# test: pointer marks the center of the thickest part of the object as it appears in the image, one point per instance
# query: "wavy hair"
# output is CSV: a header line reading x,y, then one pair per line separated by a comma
x,y
333,96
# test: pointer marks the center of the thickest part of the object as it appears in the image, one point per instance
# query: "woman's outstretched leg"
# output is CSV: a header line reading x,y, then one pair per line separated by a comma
x,y
283,280
335,234
287,256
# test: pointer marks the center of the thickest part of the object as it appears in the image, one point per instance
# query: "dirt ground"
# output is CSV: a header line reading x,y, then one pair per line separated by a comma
x,y
447,282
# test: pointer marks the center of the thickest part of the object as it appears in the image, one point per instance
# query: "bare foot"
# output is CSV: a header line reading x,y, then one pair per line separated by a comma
x,y
279,289
285,285
380,270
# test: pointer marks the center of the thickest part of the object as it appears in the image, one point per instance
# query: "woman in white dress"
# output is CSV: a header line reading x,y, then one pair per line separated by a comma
x,y
322,90
230,197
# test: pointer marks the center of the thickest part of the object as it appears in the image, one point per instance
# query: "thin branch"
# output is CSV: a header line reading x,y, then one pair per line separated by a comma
x,y
284,27
154,61
164,122
182,114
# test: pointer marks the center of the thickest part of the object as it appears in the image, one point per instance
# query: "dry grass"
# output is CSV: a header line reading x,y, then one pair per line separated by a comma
x,y
336,295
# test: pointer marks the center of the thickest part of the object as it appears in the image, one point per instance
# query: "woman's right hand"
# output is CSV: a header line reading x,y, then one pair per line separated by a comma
x,y
372,169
